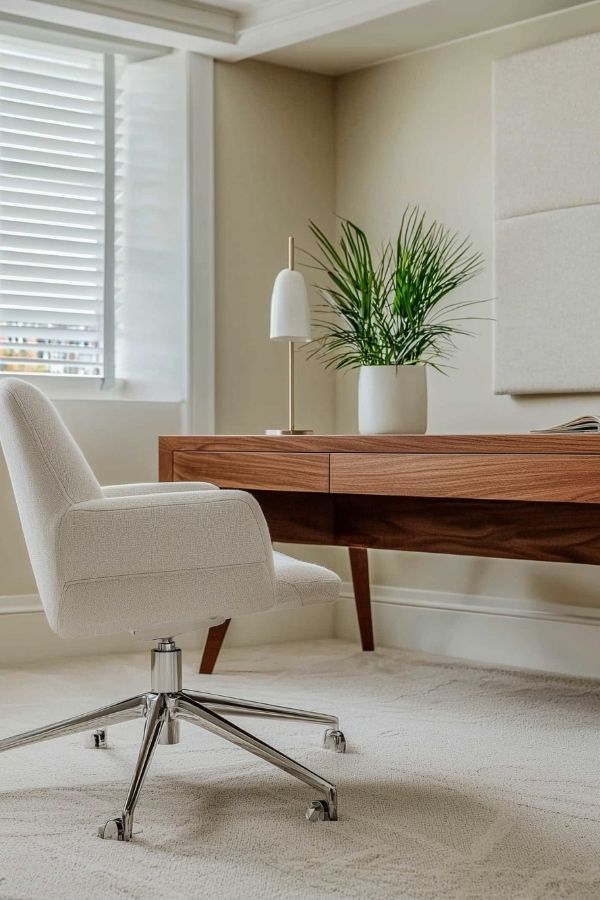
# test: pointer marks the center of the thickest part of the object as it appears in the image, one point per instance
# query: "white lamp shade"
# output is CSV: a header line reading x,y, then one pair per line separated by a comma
x,y
290,309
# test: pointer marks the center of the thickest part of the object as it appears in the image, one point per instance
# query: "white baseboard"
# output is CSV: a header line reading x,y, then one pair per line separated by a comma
x,y
25,636
20,603
494,630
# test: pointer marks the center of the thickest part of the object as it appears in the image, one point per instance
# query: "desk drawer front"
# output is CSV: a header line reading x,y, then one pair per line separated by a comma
x,y
255,471
574,478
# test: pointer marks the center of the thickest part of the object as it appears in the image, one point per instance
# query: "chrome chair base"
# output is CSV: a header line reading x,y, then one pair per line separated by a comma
x,y
163,707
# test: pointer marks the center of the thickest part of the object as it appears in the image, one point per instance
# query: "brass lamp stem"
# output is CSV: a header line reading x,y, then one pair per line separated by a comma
x,y
292,388
291,253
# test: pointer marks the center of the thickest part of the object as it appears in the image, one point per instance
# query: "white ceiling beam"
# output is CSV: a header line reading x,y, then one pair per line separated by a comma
x,y
281,23
183,26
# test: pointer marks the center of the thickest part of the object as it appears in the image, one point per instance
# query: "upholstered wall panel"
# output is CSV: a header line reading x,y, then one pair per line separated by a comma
x,y
548,285
547,191
547,110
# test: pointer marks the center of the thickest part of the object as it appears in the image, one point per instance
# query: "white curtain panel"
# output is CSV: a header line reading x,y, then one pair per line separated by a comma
x,y
547,235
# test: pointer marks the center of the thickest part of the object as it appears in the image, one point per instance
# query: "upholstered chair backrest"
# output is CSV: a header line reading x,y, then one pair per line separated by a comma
x,y
48,472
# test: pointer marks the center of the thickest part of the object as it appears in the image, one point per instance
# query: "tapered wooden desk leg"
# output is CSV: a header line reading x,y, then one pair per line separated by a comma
x,y
359,563
212,648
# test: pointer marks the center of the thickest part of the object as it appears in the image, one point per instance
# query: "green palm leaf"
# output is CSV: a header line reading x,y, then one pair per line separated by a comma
x,y
387,311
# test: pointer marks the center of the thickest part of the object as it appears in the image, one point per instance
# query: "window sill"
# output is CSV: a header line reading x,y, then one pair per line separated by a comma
x,y
84,387
70,387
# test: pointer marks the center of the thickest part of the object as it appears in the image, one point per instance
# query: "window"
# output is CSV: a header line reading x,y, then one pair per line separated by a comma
x,y
56,210
105,188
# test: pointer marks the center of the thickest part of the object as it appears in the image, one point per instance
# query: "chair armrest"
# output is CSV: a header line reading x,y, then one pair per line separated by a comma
x,y
159,533
160,487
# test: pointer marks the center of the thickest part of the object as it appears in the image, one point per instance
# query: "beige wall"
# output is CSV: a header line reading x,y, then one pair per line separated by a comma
x,y
419,130
274,161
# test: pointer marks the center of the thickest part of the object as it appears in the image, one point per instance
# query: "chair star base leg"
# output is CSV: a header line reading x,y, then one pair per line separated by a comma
x,y
124,711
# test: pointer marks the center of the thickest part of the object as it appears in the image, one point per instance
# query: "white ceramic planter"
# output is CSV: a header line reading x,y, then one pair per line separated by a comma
x,y
392,400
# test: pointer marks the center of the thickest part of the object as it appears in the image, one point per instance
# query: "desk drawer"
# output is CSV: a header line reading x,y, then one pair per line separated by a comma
x,y
255,471
551,478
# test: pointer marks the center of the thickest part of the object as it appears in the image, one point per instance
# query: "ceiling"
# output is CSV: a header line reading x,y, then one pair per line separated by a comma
x,y
242,6
414,28
328,36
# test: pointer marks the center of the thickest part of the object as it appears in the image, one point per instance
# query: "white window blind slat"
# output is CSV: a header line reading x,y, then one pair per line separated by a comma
x,y
54,260
17,101
57,174
39,216
50,310
83,147
26,199
53,275
52,209
78,70
48,265
51,121
29,143
19,238
24,164
47,86
49,297
74,198
87,230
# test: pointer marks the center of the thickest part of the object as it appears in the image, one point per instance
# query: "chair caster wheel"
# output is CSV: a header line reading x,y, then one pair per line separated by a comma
x,y
320,811
114,830
334,740
97,740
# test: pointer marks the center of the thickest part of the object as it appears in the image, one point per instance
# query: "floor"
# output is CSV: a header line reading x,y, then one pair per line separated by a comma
x,y
460,782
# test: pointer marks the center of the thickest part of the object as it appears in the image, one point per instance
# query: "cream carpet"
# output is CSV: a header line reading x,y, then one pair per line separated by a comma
x,y
460,782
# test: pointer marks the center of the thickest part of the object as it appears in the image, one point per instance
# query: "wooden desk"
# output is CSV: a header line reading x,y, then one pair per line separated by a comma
x,y
509,496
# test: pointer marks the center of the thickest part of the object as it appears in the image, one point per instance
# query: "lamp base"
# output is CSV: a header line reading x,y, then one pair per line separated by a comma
x,y
278,431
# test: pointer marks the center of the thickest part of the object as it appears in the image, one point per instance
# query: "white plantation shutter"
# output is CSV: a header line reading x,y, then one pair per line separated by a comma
x,y
53,213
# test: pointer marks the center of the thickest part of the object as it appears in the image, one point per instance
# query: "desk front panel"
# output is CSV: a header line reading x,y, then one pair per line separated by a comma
x,y
255,471
573,478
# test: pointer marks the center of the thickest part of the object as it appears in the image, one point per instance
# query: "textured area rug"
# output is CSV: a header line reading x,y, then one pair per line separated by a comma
x,y
460,782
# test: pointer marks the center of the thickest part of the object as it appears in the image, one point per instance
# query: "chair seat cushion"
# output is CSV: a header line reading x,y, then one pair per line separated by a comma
x,y
301,583
297,584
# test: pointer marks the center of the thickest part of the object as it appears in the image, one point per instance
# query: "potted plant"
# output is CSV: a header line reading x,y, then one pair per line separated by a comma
x,y
384,316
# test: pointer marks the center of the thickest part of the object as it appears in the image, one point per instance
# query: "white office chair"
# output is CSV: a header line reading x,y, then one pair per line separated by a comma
x,y
156,560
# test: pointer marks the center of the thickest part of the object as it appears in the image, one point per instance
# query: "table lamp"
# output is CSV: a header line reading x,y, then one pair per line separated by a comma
x,y
290,321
